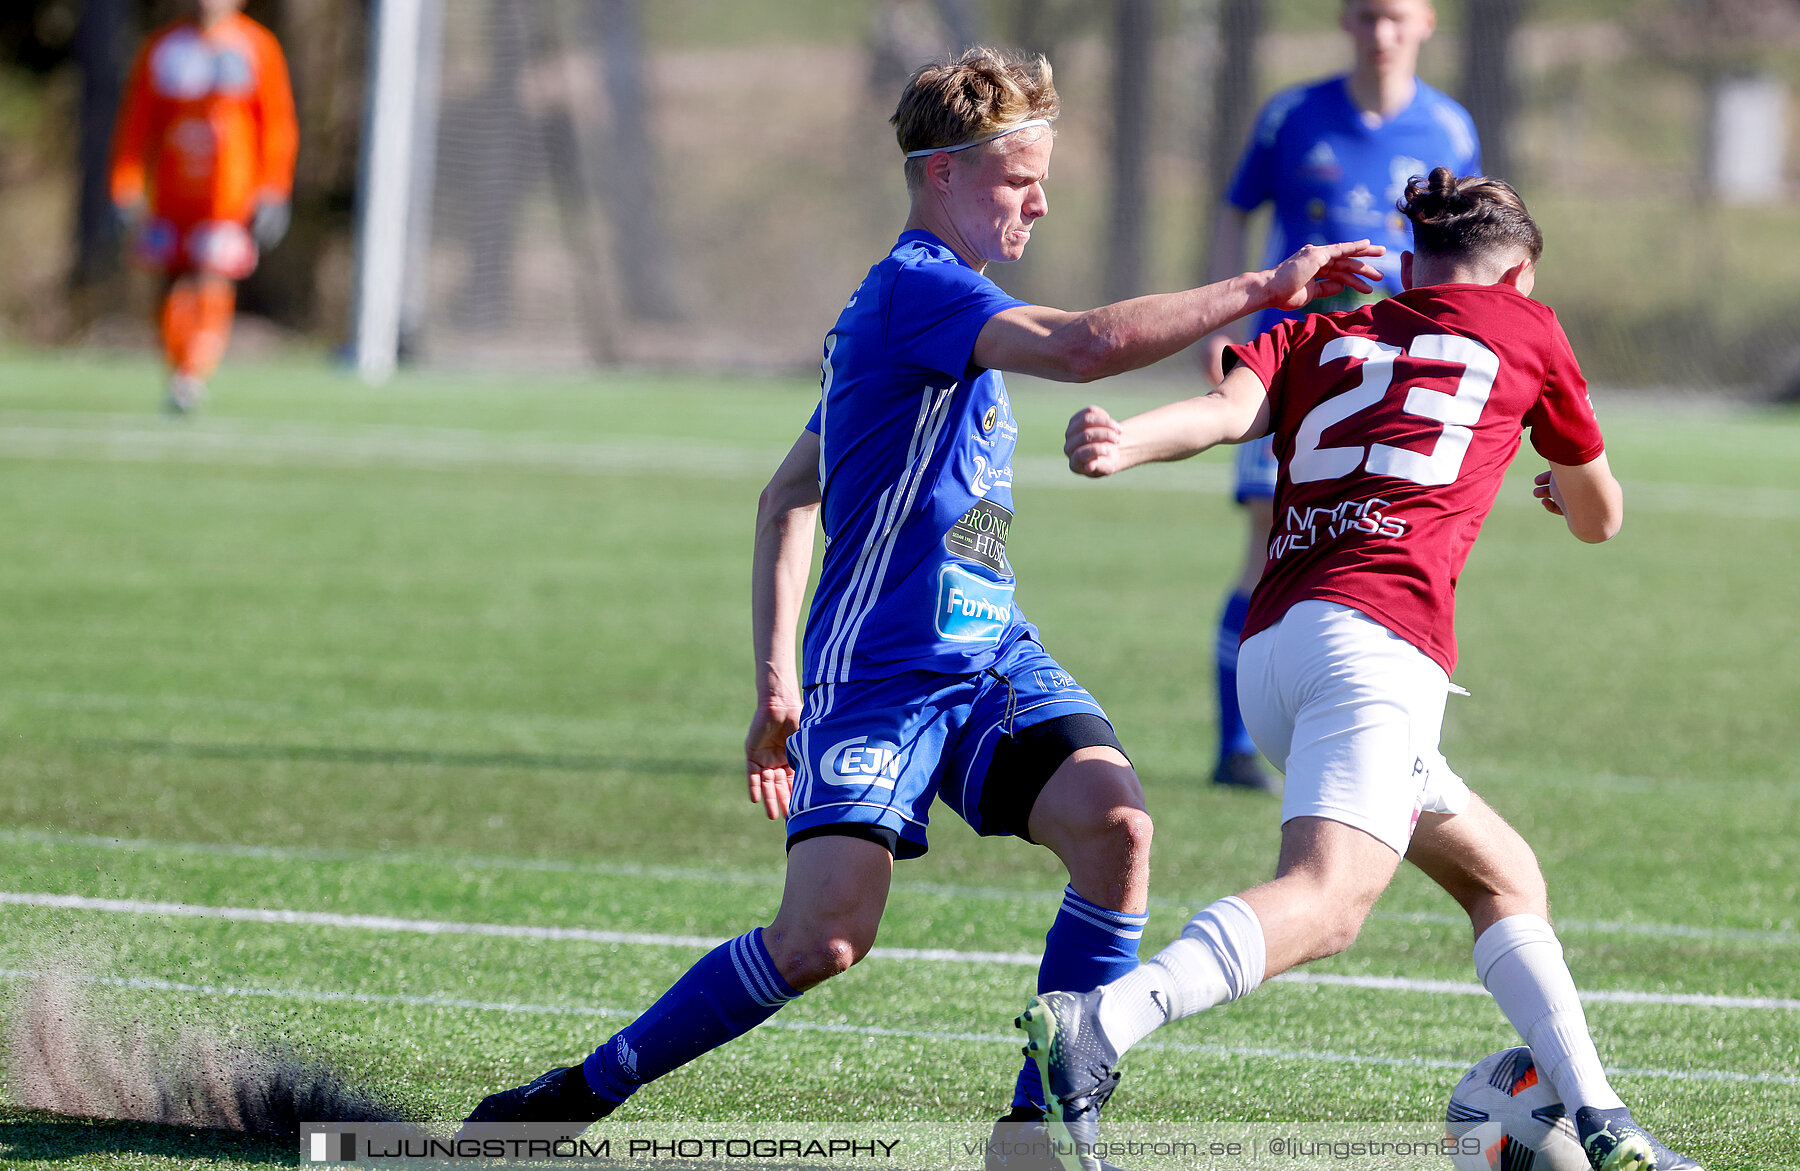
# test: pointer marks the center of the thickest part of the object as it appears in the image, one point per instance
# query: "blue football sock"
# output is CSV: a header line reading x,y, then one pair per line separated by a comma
x,y
733,988
1234,738
1088,946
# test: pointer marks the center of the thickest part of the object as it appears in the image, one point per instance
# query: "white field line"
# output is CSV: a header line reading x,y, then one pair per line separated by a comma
x,y
128,438
406,717
930,954
773,878
1311,1056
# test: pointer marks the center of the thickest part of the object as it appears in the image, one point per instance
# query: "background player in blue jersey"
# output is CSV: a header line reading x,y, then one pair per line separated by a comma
x,y
921,678
1332,157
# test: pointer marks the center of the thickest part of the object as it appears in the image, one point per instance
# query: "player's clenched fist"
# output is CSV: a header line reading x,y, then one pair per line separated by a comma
x,y
1545,490
1092,443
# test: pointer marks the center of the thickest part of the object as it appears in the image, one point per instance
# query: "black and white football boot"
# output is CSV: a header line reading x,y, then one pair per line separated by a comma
x,y
1078,1067
1614,1141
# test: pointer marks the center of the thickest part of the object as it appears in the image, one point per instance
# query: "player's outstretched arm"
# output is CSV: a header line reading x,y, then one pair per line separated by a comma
x,y
1586,495
785,516
1097,445
1080,347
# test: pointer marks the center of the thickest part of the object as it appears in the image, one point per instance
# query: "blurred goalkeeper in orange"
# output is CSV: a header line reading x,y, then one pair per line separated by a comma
x,y
203,169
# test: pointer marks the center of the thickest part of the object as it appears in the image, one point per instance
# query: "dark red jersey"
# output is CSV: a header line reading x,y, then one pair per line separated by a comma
x,y
1394,425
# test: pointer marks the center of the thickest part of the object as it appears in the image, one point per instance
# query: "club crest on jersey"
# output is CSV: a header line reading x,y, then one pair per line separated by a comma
x,y
858,762
994,427
971,608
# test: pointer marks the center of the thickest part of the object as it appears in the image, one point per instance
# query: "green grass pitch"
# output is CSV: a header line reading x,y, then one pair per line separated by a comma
x,y
474,651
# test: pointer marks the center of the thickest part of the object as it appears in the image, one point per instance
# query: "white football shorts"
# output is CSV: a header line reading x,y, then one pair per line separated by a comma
x,y
1351,712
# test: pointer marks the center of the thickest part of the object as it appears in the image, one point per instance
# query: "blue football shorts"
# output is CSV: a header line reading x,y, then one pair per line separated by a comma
x,y
1255,471
873,754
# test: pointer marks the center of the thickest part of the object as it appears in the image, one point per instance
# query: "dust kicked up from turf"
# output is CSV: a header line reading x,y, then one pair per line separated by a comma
x,y
66,1059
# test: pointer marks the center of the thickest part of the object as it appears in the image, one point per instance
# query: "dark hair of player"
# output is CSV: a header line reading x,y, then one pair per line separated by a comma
x,y
1468,216
948,103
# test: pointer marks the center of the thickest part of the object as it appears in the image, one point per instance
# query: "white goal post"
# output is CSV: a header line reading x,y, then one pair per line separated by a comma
x,y
405,44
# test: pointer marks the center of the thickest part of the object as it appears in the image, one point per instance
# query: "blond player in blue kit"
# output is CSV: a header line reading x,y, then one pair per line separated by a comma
x,y
921,679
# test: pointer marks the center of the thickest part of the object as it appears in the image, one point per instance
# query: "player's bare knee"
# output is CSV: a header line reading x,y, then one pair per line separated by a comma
x,y
1122,830
1344,924
837,954
1340,906
1113,841
806,959
1130,831
1520,891
1093,801
1334,939
1512,882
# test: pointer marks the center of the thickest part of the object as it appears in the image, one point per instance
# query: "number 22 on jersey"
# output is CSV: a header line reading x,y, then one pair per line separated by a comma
x,y
1457,412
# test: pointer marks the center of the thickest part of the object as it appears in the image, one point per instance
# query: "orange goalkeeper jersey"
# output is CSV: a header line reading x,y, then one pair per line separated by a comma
x,y
207,128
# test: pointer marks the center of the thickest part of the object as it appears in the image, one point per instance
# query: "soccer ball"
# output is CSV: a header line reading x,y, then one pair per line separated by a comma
x,y
1502,1117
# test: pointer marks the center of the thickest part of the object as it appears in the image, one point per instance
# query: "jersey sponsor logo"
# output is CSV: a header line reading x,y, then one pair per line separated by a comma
x,y
181,66
232,73
988,420
1307,527
1321,163
980,535
971,608
988,476
858,762
185,67
1355,519
1352,518
195,143
1358,207
1401,169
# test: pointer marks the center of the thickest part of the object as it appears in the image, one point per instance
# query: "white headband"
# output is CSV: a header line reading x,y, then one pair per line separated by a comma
x,y
1025,125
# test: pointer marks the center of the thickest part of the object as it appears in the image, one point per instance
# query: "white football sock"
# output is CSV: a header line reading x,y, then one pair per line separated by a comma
x,y
1520,961
1219,957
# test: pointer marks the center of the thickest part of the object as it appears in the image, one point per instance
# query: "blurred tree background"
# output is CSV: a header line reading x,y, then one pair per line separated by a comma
x,y
697,182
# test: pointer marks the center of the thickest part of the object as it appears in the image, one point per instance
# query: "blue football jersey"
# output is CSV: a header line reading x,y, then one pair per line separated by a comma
x,y
915,474
1333,175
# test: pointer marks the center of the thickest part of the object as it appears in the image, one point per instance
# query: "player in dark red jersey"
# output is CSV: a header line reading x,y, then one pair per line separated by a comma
x,y
1393,426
